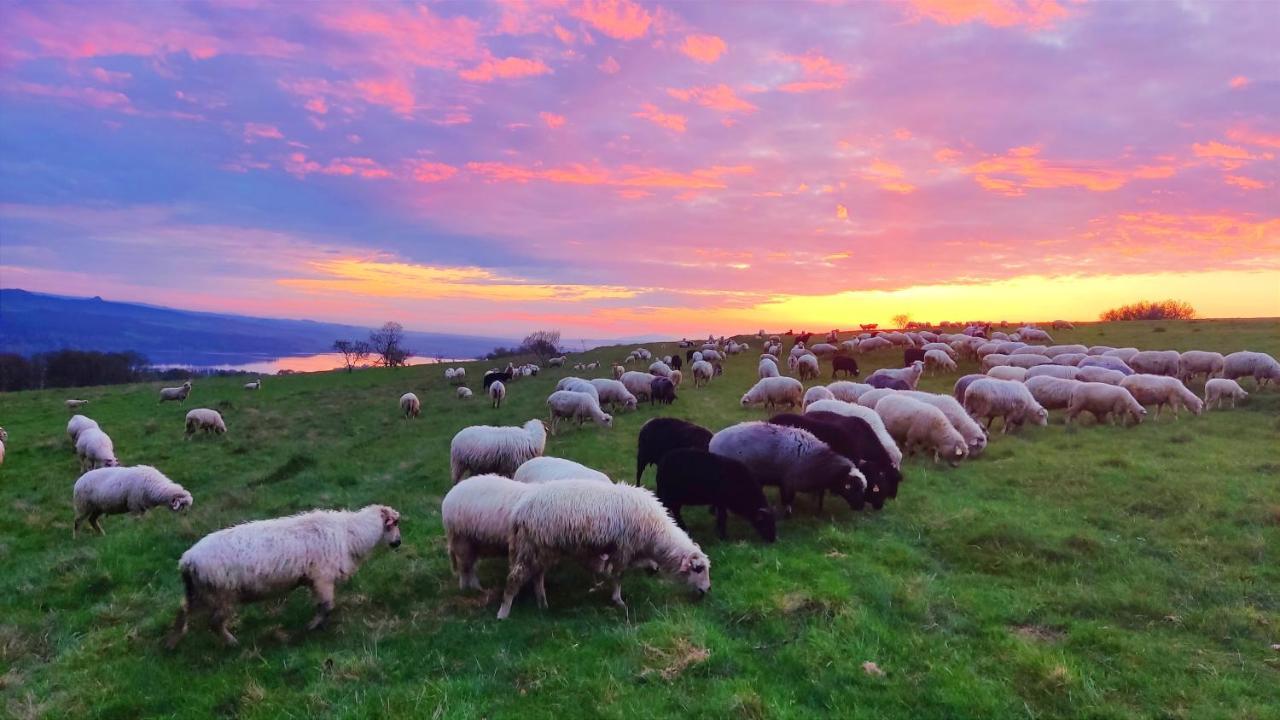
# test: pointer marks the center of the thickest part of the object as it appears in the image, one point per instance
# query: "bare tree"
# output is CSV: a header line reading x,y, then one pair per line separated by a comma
x,y
387,343
353,352
543,343
900,320
1147,310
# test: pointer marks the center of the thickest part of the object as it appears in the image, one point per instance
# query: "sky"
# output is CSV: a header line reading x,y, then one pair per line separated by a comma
x,y
612,168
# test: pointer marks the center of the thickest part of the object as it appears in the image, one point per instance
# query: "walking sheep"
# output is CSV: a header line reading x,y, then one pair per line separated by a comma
x,y
702,373
807,367
1260,366
1161,390
1215,389
266,558
410,406
698,477
497,392
775,391
1104,402
576,406
481,449
992,398
74,405
119,490
1199,362
660,436
178,394
210,421
792,459
575,517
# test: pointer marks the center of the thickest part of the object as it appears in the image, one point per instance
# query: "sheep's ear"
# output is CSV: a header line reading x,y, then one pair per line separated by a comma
x,y
390,518
685,564
176,503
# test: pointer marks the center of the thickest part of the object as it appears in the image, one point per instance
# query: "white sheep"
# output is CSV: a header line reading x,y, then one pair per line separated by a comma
x,y
909,374
1062,372
1051,392
179,393
914,423
639,384
477,521
873,344
992,398
210,421
481,449
816,393
464,393
711,355
74,405
410,406
867,414
775,391
255,385
618,370
767,368
939,360
848,391
702,373
549,469
1161,390
556,361
974,436
1215,389
95,450
580,385
940,347
1027,360
1100,374
1156,362
78,424
660,369
614,393
696,356
1069,359
821,349
1260,366
676,377
1054,351
869,398
266,558
575,517
576,406
807,367
118,490
497,393
1008,372
1124,354
1104,401
1200,362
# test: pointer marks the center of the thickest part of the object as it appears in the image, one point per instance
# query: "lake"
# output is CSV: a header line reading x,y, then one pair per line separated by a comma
x,y
272,365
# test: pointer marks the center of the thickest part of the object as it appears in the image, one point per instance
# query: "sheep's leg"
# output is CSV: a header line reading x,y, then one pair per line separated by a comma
x,y
540,590
519,574
322,591
179,624
218,620
722,522
96,525
75,526
822,496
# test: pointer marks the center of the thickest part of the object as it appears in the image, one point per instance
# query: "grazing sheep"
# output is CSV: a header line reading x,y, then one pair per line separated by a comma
x,y
638,383
546,469
767,368
845,364
909,375
574,517
1027,361
1215,389
696,477
711,355
255,385
807,367
476,514
912,355
821,349
95,450
992,398
118,490
618,370
775,391
1124,354
179,393
816,393
792,459
1156,362
266,558
1100,374
993,360
1260,366
1069,359
1063,325
1029,334
974,436
1052,393
410,406
210,421
662,390
1108,362
917,424
464,393
940,347
481,449
1199,362
848,391
494,376
575,406
78,424
873,344
579,385
74,405
855,439
660,369
1161,390
1063,372
1008,372
1102,349
660,436
702,372
614,393
1104,401
887,383
497,393
939,360
869,399
865,413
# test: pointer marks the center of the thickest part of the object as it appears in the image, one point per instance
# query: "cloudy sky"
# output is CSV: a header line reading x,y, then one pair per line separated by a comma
x,y
615,168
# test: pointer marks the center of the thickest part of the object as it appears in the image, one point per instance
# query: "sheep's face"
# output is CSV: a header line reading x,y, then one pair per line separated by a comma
x,y
746,402
765,523
695,570
110,462
390,527
851,485
606,421
180,502
977,445
630,404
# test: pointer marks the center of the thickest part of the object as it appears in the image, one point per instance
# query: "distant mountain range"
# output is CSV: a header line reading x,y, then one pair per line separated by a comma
x,y
34,322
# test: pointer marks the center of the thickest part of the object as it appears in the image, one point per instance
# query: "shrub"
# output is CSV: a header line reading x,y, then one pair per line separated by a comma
x,y
1147,310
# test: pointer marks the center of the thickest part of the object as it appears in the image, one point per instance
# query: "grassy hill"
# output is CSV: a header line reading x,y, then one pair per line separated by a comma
x,y
1069,572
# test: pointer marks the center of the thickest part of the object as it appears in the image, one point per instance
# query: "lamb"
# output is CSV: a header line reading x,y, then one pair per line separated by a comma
x,y
816,393
497,393
95,450
410,406
1052,393
845,364
909,375
179,393
1100,374
1161,390
915,423
855,439
848,391
1196,362
546,469
792,459
614,393
266,558
481,449
939,360
1104,401
638,383
867,414
807,367
660,436
580,385
464,393
702,373
662,390
1062,372
118,490
660,369
1108,362
1260,366
969,429
255,385
78,424
580,517
1215,389
992,398
1008,372
210,421
775,391
1156,362
74,405
696,477
576,406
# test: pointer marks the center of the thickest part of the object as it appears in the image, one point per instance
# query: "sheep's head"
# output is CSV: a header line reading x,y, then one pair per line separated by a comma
x,y
110,462
390,526
695,570
765,523
180,501
606,420
1040,416
849,483
959,451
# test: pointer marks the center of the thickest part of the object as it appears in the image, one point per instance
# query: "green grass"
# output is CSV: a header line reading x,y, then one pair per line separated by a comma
x,y
1068,573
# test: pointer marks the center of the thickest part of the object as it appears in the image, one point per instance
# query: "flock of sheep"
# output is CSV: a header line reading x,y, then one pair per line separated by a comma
x,y
510,500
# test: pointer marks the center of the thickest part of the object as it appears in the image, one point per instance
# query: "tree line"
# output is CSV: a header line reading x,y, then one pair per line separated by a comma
x,y
80,368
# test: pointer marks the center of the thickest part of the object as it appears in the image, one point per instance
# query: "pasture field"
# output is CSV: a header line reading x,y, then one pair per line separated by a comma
x,y
1084,572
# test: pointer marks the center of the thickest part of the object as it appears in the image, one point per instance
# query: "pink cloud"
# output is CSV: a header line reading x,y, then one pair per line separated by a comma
x,y
619,19
703,48
1249,136
888,176
718,97
424,171
260,131
818,73
91,97
409,35
610,66
1022,168
317,106
391,92
670,121
628,176
1239,81
552,120
298,164
109,77
1034,14
505,68
1246,183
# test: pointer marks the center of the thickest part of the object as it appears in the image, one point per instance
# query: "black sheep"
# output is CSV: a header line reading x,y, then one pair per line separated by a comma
x,y
855,439
502,375
911,355
792,459
676,362
963,384
697,477
660,436
846,364
888,383
689,355
662,390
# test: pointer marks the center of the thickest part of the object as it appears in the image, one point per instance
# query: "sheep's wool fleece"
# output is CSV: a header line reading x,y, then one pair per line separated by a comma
x,y
479,508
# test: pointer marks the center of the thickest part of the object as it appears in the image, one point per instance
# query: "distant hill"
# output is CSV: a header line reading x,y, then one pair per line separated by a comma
x,y
34,322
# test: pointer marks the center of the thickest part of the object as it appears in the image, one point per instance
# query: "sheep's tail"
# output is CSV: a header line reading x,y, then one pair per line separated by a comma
x,y
455,468
189,592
